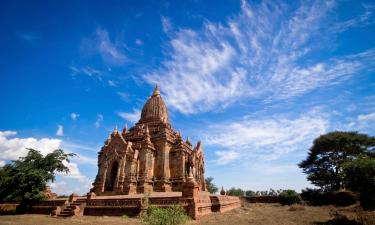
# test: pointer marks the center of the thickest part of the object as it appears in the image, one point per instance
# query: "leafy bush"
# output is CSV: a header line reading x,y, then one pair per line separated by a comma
x,y
289,197
211,187
343,198
250,193
236,192
360,177
165,216
317,197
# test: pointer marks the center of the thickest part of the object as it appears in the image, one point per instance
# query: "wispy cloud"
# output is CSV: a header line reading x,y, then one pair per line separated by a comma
x,y
367,117
74,116
60,130
112,83
133,116
261,53
166,24
265,138
100,43
98,121
111,52
87,70
138,42
124,96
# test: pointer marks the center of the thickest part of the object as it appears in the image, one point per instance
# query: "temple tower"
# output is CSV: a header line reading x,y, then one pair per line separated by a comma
x,y
150,156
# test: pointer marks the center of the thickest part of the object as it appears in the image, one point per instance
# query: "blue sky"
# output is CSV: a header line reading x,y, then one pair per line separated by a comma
x,y
256,81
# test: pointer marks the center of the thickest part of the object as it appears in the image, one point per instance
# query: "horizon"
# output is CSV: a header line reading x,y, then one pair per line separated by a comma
x,y
255,81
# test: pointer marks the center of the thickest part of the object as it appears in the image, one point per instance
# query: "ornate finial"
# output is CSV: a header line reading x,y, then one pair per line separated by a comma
x,y
126,130
108,139
115,130
222,192
156,90
188,141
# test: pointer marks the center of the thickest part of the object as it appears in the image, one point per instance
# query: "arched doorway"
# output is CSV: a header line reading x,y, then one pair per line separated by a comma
x,y
111,177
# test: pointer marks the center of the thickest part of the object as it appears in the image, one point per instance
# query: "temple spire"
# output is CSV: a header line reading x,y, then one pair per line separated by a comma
x,y
156,90
125,130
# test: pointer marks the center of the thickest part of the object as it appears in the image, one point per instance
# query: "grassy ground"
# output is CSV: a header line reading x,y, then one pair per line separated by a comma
x,y
256,214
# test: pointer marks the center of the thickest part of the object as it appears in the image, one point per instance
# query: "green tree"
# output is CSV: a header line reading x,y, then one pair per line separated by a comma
x,y
23,180
360,177
212,188
236,192
250,193
289,197
329,152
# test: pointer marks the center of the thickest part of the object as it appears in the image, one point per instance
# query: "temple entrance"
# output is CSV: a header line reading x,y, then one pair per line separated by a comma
x,y
111,177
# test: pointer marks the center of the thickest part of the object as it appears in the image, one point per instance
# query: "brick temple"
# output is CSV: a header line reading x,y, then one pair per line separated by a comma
x,y
149,164
149,157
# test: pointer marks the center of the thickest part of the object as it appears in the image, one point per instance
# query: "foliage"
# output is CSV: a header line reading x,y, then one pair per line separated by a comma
x,y
324,164
343,198
25,179
250,193
360,177
289,197
318,197
236,192
212,188
165,216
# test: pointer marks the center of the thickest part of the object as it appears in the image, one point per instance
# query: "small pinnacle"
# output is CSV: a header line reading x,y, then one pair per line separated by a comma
x,y
125,128
156,91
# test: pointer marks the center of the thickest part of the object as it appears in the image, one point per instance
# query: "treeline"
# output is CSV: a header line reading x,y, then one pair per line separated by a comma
x,y
342,166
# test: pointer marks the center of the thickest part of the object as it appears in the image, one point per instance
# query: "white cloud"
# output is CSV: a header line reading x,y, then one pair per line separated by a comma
x,y
138,42
89,71
130,116
260,54
99,119
367,117
124,96
74,172
166,24
112,83
266,138
2,163
11,148
110,51
74,116
225,157
60,130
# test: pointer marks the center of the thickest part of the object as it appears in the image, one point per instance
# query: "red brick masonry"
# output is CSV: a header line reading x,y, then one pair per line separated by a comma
x,y
132,205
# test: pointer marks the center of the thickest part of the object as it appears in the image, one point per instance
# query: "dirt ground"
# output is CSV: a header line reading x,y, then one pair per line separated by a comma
x,y
256,214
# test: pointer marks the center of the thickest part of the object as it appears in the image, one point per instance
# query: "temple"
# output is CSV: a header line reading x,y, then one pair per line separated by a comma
x,y
147,165
149,157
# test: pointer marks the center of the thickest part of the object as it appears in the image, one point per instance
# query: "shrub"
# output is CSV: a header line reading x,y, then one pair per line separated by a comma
x,y
317,197
343,198
236,192
165,216
289,197
360,177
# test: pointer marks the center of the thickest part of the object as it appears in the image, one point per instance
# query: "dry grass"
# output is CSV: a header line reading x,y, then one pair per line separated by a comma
x,y
255,214
269,214
86,220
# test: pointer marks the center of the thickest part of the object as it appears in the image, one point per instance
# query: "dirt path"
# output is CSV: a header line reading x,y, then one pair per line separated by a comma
x,y
255,214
